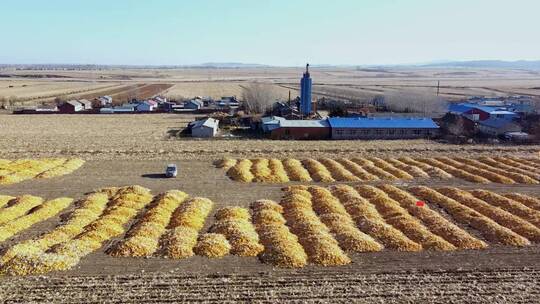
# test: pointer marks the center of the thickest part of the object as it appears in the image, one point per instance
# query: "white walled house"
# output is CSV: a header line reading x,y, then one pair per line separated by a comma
x,y
204,128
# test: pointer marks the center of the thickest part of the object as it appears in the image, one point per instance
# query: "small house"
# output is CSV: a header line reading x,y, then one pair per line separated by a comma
x,y
146,106
87,104
497,126
205,128
126,108
71,106
160,100
194,104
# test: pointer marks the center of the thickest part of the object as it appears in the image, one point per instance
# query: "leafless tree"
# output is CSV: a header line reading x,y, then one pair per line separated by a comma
x,y
258,97
417,102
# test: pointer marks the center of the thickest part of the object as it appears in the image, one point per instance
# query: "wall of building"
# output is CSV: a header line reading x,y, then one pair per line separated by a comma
x,y
352,133
301,133
499,131
203,132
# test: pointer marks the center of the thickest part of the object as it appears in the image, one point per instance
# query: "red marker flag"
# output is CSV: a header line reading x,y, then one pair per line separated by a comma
x,y
420,204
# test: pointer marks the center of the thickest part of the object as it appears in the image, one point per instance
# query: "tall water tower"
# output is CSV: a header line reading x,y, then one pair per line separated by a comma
x,y
305,93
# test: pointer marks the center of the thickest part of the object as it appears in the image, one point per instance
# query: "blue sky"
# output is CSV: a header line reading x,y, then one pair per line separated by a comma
x,y
278,32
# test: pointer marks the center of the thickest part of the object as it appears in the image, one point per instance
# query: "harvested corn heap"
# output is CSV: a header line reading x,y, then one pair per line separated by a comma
x,y
369,220
461,213
184,226
484,170
16,171
435,222
400,218
296,171
338,171
281,247
502,217
143,238
235,224
514,207
320,246
41,213
212,245
340,223
318,171
98,218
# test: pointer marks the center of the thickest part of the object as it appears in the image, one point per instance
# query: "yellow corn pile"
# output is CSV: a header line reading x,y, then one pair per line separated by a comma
x,y
461,213
281,247
529,201
143,238
41,213
318,171
235,224
514,207
186,222
319,244
212,245
24,169
371,222
97,219
504,218
340,223
435,222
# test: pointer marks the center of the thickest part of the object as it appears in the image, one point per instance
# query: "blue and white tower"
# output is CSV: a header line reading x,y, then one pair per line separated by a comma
x,y
305,93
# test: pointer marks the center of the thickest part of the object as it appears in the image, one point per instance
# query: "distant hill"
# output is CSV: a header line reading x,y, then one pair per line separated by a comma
x,y
521,64
230,65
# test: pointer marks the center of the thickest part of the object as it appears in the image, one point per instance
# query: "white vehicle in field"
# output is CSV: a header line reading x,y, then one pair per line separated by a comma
x,y
171,170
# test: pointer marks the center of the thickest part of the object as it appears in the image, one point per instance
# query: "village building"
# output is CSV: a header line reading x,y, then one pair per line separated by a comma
x,y
146,106
87,104
194,104
382,128
497,127
281,128
71,106
205,128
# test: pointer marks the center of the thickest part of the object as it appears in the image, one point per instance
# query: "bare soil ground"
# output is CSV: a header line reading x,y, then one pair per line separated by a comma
x,y
146,137
499,274
134,149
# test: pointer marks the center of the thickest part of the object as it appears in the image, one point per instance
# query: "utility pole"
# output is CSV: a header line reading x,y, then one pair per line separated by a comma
x,y
438,87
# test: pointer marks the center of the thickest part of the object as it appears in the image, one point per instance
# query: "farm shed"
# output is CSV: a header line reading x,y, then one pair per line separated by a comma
x,y
160,99
193,104
382,128
497,126
146,106
280,128
71,106
102,101
87,104
204,128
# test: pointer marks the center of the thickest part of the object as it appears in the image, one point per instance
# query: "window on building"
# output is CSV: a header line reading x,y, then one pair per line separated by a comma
x,y
340,132
391,132
365,132
287,132
402,132
417,132
380,132
352,132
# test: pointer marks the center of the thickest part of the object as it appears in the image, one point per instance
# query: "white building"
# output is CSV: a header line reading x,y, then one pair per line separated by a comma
x,y
204,128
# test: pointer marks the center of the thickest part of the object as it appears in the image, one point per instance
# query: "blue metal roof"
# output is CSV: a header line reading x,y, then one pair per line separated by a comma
x,y
464,107
382,123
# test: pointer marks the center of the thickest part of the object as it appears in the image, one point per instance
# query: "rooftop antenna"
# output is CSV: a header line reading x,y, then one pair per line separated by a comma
x,y
438,87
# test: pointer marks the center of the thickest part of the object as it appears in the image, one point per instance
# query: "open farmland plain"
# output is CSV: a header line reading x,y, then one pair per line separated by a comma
x,y
356,84
319,240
